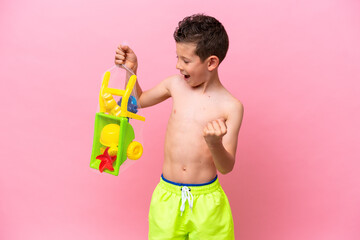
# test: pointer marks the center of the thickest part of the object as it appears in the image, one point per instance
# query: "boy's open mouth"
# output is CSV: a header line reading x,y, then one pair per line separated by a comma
x,y
186,76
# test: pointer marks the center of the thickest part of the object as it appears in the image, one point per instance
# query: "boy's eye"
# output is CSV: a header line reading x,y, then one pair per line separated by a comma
x,y
184,60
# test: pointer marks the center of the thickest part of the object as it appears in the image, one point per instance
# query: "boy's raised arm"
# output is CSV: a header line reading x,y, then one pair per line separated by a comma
x,y
221,137
125,55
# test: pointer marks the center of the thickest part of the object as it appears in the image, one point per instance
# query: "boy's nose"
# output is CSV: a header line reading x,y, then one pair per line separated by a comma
x,y
178,65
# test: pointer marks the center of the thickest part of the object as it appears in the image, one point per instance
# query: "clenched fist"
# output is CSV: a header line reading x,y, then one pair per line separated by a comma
x,y
125,55
214,131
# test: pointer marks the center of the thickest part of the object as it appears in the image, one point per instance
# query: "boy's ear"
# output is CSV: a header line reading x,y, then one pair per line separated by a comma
x,y
213,63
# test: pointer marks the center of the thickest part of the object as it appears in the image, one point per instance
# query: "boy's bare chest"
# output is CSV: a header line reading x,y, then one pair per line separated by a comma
x,y
199,110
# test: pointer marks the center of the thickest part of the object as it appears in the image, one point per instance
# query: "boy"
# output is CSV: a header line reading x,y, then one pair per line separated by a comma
x,y
201,136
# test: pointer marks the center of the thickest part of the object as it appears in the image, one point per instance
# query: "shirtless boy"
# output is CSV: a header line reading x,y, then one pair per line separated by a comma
x,y
201,136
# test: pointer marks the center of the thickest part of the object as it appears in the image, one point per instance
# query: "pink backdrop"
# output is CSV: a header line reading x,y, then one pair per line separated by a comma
x,y
294,64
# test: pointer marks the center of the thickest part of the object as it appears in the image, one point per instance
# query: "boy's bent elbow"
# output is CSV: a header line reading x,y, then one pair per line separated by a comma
x,y
227,170
224,172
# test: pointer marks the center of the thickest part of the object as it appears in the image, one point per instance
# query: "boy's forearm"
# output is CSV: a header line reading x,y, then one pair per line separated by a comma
x,y
223,160
138,91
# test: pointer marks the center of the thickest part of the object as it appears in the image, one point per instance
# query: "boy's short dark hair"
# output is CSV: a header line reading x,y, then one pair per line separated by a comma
x,y
208,34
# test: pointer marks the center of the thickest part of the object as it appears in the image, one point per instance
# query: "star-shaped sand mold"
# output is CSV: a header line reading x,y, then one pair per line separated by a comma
x,y
106,161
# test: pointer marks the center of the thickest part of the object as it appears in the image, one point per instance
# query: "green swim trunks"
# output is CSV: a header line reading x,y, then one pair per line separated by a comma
x,y
190,211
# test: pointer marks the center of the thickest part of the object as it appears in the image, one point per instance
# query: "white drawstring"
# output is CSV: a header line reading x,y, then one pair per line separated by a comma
x,y
186,195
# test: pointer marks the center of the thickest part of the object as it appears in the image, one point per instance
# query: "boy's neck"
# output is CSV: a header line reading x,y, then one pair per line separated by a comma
x,y
212,83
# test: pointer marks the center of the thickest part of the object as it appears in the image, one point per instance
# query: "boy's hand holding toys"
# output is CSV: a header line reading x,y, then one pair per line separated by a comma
x,y
126,56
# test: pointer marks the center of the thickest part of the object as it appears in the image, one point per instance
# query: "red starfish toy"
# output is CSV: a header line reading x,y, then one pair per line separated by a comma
x,y
106,161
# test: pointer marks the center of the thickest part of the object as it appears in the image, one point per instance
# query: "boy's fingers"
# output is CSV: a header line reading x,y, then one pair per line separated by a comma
x,y
205,131
126,49
208,129
223,120
122,48
119,48
119,57
222,126
119,61
217,127
120,51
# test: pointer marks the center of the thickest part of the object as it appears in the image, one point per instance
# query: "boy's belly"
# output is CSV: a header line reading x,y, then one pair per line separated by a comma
x,y
188,173
187,157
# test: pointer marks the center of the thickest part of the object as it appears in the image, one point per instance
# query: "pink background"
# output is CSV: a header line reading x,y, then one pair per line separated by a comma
x,y
295,65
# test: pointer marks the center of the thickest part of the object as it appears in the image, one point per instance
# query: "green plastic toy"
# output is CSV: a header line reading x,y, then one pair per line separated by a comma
x,y
114,136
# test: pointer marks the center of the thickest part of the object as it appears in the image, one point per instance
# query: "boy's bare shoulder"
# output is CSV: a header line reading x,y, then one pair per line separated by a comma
x,y
175,83
230,99
233,105
173,80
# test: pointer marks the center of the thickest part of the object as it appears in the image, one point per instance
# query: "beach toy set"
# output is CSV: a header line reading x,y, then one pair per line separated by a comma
x,y
114,136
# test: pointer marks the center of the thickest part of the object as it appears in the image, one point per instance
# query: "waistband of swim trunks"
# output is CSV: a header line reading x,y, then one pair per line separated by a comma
x,y
194,188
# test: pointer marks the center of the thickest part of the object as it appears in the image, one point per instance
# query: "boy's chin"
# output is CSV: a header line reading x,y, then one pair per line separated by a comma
x,y
191,81
194,84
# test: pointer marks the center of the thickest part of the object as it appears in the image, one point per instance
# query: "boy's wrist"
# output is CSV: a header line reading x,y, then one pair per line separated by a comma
x,y
134,68
130,70
214,143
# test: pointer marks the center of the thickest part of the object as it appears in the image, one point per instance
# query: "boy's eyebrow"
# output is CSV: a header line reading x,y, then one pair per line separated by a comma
x,y
182,57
